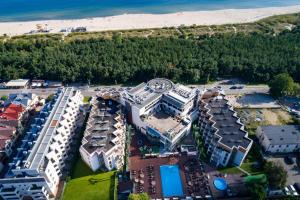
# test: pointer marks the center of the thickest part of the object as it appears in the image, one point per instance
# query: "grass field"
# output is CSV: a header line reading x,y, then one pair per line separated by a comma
x,y
88,185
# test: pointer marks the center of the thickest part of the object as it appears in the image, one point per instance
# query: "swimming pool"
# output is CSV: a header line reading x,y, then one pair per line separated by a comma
x,y
171,181
220,184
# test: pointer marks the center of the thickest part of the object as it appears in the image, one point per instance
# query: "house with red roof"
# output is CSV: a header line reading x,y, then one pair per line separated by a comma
x,y
12,115
10,120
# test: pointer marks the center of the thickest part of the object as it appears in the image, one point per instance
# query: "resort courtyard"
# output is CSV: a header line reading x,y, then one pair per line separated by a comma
x,y
166,175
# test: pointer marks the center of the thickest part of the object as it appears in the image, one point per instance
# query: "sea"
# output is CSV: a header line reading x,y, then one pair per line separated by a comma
x,y
29,10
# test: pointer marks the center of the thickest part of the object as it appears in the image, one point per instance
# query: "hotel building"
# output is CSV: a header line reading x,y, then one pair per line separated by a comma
x,y
39,163
224,136
104,138
162,110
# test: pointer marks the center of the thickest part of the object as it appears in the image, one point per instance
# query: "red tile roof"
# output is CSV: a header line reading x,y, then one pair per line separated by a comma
x,y
12,112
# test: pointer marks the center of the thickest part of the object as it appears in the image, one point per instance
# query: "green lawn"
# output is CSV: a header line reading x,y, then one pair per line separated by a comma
x,y
247,166
230,170
81,169
88,185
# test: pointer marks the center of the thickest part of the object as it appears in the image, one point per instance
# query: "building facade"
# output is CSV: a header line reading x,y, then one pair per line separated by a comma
x,y
40,161
162,110
279,139
225,139
103,143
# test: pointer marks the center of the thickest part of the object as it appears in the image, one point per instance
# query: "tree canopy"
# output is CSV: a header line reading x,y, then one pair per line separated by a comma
x,y
252,57
283,84
276,174
257,186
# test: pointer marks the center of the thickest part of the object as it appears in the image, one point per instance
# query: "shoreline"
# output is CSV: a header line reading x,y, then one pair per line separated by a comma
x,y
144,21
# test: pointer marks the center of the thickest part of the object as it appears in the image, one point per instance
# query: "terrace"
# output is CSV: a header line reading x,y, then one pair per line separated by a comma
x,y
165,124
147,176
227,123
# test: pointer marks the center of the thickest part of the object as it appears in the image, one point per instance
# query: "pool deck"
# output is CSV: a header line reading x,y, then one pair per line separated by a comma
x,y
137,163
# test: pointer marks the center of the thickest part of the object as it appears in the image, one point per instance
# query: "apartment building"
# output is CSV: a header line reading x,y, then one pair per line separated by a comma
x,y
39,163
162,110
104,138
279,139
224,136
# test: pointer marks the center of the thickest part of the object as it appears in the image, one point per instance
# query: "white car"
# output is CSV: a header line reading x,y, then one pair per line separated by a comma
x,y
287,191
293,190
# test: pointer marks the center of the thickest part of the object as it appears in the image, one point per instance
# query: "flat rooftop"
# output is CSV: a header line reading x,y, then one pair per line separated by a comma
x,y
164,123
181,93
17,83
145,93
226,123
282,134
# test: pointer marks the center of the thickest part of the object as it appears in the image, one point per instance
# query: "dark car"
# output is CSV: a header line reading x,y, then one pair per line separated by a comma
x,y
288,160
233,87
297,187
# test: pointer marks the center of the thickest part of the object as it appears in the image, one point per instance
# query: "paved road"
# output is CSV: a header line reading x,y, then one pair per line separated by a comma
x,y
90,91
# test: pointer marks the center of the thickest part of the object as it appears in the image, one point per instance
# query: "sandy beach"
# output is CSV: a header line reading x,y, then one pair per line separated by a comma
x,y
139,21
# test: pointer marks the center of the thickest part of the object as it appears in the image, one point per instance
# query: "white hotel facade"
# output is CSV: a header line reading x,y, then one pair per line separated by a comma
x,y
162,110
39,164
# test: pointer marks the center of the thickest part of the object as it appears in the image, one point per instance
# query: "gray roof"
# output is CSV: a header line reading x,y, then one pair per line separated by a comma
x,y
100,129
229,129
285,134
40,148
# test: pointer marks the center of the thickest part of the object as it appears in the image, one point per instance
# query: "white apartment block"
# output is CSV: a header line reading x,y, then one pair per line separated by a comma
x,y
279,139
162,110
224,136
39,164
103,143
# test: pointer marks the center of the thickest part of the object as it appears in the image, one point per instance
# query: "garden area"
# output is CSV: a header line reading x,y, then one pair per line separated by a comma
x,y
88,185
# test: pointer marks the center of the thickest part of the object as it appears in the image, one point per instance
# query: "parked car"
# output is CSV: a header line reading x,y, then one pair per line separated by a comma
x,y
293,190
288,160
297,187
287,191
233,87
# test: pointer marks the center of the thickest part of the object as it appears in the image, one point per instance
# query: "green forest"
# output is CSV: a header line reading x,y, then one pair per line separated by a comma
x,y
254,57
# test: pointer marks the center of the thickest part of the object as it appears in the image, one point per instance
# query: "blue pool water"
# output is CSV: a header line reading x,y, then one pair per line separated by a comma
x,y
171,181
26,10
220,184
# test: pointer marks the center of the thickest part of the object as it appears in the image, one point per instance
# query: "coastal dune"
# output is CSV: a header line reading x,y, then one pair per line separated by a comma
x,y
140,21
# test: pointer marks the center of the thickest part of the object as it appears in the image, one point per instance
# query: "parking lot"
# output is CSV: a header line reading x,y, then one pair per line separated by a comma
x,y
293,170
257,100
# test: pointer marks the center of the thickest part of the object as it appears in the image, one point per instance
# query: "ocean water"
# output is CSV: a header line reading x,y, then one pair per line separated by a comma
x,y
27,10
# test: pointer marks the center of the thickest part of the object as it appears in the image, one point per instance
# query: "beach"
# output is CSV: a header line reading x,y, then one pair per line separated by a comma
x,y
142,21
